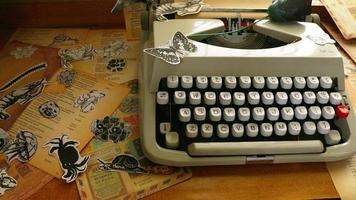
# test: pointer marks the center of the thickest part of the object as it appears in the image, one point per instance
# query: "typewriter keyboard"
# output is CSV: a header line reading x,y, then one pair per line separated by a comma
x,y
210,116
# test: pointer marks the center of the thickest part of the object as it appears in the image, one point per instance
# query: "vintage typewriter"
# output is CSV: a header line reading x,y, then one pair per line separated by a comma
x,y
279,99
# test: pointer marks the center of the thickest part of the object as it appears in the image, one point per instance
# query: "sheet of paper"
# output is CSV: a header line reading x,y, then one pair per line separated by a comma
x,y
349,46
71,121
132,16
125,52
343,13
93,183
349,65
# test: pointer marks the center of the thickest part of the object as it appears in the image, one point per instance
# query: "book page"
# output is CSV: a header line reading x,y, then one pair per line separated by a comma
x,y
71,120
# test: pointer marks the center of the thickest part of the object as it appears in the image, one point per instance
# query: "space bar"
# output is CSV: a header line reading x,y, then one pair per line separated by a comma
x,y
255,148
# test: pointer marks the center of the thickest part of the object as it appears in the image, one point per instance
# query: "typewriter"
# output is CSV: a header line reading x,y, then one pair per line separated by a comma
x,y
224,105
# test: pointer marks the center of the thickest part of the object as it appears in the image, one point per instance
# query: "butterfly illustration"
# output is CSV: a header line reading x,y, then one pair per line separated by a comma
x,y
179,47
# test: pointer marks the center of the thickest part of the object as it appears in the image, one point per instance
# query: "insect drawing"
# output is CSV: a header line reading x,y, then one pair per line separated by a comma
x,y
87,102
180,46
49,109
114,49
84,52
110,128
22,96
123,162
23,147
4,140
6,182
71,161
63,39
181,8
66,77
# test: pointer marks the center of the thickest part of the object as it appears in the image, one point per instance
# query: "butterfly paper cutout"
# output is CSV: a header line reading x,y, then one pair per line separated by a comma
x,y
178,47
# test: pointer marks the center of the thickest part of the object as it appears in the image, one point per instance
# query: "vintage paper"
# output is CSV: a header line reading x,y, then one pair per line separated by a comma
x,y
132,16
102,39
71,120
29,179
349,65
343,13
93,184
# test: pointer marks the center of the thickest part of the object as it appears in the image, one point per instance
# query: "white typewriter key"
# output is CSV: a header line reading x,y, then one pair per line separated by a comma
x,y
172,81
179,97
328,112
199,113
280,128
165,127
314,112
309,128
251,129
191,130
300,112
223,130
245,82
267,98
323,127
202,82
216,82
295,98
258,82
184,114
244,114
272,82
287,113
194,98
299,82
215,114
229,114
209,98
272,114
312,82
322,97
239,98
172,140
253,98
286,83
333,137
335,98
187,82
281,98
294,128
162,98
309,97
206,130
230,82
258,113
225,98
266,129
326,82
237,130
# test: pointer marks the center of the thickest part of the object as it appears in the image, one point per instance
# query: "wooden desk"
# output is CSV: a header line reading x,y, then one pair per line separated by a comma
x,y
279,181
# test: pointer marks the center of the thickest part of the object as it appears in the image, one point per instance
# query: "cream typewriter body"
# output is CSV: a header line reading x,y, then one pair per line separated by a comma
x,y
223,106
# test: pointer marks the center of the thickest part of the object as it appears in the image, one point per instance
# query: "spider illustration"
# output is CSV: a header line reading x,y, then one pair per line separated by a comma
x,y
71,161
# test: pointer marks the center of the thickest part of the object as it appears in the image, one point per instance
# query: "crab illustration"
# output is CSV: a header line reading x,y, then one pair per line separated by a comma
x,y
110,128
6,182
123,162
87,101
23,147
71,161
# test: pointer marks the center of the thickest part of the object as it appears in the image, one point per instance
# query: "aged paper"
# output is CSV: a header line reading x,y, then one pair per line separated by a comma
x,y
93,183
72,121
133,15
343,13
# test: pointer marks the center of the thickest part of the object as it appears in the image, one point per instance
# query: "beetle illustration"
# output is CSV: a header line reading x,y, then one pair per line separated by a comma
x,y
6,182
71,161
23,147
86,102
123,162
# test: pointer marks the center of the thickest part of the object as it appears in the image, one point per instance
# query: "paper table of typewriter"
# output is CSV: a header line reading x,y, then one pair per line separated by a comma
x,y
6,182
71,161
87,102
111,128
23,147
181,8
22,96
123,162
180,46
